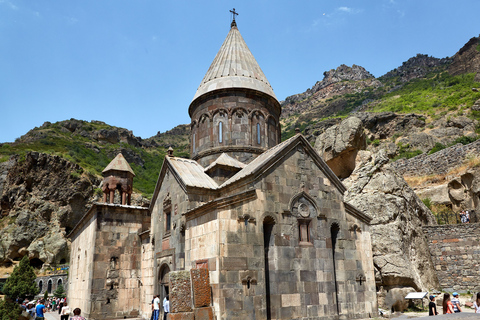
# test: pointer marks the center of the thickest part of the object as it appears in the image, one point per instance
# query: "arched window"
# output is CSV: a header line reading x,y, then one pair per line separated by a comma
x,y
40,286
259,137
193,142
220,132
59,283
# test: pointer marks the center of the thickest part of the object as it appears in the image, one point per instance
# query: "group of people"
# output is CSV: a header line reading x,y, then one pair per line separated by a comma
x,y
156,307
37,310
465,216
451,304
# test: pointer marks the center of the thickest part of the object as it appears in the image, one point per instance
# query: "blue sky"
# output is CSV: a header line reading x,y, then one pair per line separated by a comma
x,y
137,64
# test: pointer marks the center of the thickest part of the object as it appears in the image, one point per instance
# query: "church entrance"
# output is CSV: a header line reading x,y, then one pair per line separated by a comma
x,y
268,243
164,279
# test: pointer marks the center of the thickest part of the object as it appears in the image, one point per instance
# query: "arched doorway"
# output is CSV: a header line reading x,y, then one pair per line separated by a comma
x,y
40,286
59,283
164,279
49,286
268,224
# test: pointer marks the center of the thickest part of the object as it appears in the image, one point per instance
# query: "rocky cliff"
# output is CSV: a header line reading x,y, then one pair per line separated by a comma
x,y
467,59
42,198
400,250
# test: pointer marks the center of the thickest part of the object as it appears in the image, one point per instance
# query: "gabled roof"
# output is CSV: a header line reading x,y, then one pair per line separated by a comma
x,y
226,160
119,163
234,67
191,173
273,155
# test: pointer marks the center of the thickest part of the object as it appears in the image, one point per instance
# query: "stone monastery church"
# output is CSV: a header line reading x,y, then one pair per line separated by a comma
x,y
263,220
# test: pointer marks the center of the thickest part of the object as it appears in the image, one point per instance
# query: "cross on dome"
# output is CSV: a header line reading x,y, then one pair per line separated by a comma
x,y
234,24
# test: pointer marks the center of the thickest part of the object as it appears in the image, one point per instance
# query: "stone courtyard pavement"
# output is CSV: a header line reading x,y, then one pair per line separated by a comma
x,y
469,314
52,316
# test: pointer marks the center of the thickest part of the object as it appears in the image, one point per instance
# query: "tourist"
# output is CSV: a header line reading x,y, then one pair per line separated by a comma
x,y
447,304
166,307
156,307
476,303
40,309
54,304
31,309
65,312
467,217
456,303
76,315
462,216
60,305
432,307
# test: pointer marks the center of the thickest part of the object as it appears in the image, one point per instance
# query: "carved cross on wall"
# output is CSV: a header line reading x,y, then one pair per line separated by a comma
x,y
361,279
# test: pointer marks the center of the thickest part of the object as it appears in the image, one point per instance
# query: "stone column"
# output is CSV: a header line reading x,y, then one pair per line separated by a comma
x,y
112,195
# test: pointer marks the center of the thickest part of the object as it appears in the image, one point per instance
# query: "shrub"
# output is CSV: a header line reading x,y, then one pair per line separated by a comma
x,y
437,147
427,202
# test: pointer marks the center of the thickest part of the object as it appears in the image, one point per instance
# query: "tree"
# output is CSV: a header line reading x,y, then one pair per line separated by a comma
x,y
9,309
21,283
60,292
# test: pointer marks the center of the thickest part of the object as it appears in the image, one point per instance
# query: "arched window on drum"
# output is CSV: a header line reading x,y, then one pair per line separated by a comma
x,y
220,132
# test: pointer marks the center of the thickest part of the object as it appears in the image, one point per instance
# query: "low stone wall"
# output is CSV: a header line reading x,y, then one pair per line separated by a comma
x,y
455,251
437,163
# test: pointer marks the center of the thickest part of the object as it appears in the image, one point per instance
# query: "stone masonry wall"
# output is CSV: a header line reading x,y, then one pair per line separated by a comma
x,y
455,251
437,163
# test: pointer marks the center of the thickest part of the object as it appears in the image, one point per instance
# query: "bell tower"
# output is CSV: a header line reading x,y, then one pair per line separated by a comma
x,y
118,175
234,110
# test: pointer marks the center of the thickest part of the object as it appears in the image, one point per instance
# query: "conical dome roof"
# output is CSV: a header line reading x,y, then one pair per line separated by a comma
x,y
234,67
120,164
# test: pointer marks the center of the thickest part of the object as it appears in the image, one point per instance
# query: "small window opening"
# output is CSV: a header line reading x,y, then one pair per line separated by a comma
x,y
193,142
168,220
220,132
258,134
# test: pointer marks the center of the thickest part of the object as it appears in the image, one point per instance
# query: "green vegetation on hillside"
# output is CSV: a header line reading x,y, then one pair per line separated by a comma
x,y
433,93
92,155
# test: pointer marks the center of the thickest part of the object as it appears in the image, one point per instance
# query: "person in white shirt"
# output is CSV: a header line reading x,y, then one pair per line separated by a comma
x,y
156,307
166,307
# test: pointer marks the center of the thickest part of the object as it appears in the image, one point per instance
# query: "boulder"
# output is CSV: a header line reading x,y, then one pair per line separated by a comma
x,y
339,145
436,194
400,250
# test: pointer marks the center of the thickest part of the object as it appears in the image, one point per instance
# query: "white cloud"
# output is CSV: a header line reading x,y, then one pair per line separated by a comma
x,y
349,10
9,4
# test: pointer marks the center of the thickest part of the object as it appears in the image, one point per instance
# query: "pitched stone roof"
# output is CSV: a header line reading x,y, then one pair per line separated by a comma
x,y
119,163
191,173
234,67
226,160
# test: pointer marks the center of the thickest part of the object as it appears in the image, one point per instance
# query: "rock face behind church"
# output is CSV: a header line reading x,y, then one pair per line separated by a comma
x,y
401,254
41,199
339,145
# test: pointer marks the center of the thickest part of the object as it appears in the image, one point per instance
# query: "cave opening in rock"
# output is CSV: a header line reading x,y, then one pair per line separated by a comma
x,y
36,263
63,261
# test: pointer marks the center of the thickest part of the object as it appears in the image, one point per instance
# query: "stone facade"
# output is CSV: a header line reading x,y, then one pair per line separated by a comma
x,y
51,283
455,251
105,278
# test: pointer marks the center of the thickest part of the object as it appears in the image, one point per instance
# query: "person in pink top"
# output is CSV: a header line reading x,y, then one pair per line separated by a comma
x,y
76,315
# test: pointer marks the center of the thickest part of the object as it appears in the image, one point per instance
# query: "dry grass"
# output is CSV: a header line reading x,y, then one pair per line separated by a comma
x,y
4,270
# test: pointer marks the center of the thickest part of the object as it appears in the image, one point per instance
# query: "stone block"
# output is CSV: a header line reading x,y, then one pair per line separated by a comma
x,y
201,287
204,313
181,316
180,292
